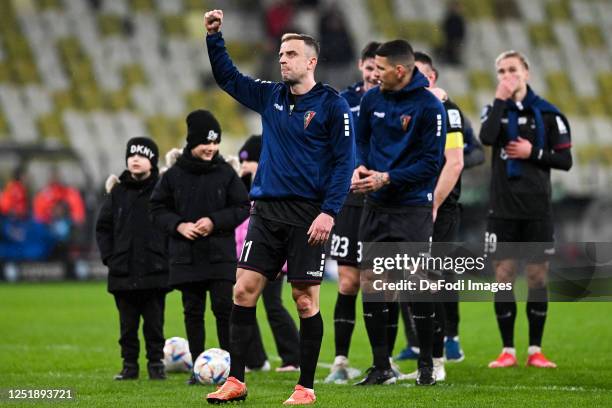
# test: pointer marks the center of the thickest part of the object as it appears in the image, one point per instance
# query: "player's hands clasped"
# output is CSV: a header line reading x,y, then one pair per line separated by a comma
x,y
213,20
373,181
319,230
359,173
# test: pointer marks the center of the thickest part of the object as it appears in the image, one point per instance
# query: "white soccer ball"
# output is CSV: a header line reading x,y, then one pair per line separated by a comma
x,y
212,366
177,357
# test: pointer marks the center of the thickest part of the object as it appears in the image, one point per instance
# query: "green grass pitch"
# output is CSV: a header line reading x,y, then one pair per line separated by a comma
x,y
64,335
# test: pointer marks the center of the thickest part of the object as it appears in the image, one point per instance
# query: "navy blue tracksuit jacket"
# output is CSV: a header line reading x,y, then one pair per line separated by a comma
x,y
307,152
403,133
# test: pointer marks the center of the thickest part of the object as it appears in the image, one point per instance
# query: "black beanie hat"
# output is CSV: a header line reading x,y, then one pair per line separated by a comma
x,y
143,146
202,128
251,150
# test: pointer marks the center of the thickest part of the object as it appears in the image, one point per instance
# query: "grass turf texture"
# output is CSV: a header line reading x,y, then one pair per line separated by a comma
x,y
64,335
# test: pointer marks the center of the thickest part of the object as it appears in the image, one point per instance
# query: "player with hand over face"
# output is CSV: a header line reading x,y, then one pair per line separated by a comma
x,y
529,137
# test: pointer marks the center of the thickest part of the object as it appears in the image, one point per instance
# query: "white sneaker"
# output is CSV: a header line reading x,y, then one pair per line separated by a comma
x,y
410,376
395,368
265,367
340,372
438,369
353,372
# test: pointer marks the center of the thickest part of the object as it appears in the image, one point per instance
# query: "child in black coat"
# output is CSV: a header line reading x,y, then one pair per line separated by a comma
x,y
199,202
136,255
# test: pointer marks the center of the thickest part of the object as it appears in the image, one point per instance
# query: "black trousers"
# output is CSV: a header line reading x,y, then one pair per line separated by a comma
x,y
132,305
283,328
194,305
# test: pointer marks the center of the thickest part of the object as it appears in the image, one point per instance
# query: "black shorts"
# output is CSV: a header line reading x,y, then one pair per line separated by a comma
x,y
389,231
446,227
398,224
269,243
500,230
345,246
446,231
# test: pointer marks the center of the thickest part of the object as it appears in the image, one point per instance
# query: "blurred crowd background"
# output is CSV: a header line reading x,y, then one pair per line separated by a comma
x,y
78,78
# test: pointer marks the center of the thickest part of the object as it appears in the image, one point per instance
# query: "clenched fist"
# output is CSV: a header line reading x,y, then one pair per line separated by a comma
x,y
213,20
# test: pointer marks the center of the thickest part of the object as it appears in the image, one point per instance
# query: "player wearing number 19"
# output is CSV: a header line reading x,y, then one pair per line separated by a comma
x,y
529,137
304,174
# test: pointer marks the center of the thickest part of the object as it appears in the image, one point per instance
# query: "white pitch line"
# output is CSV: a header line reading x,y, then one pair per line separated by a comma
x,y
503,387
67,347
568,388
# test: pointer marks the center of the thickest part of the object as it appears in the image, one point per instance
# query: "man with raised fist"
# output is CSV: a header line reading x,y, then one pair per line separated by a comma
x,y
304,175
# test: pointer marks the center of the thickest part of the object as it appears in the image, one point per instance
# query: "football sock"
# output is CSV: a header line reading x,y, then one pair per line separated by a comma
x,y
509,350
242,326
392,325
375,317
423,314
311,335
537,307
451,310
438,334
409,327
344,323
534,349
505,311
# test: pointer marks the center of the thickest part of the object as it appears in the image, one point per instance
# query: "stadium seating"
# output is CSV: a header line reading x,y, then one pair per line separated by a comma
x,y
91,77
568,44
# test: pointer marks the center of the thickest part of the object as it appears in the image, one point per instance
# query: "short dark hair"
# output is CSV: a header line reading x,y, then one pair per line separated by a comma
x,y
424,58
308,40
397,52
369,51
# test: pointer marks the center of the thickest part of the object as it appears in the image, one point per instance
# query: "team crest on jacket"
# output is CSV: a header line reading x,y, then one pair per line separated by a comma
x,y
405,121
308,117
